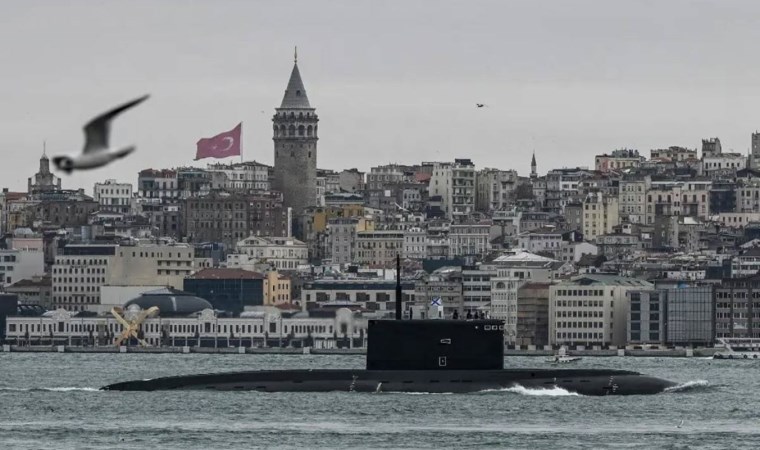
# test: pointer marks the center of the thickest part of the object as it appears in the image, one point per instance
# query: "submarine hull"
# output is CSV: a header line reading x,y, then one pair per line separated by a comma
x,y
581,381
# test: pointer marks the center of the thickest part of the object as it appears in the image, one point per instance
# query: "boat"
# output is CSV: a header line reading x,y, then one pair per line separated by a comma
x,y
418,355
738,348
561,357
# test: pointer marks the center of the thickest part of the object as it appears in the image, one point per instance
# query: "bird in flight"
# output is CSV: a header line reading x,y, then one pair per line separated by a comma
x,y
480,105
97,152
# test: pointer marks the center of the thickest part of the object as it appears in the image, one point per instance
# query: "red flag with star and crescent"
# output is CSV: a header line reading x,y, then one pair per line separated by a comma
x,y
220,146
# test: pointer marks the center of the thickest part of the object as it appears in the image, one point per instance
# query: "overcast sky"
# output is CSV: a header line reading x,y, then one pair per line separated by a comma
x,y
392,81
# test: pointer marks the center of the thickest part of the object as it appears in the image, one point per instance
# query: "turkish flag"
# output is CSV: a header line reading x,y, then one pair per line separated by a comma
x,y
220,146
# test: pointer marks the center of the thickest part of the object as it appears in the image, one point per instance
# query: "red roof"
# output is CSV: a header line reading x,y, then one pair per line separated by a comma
x,y
422,177
226,274
9,196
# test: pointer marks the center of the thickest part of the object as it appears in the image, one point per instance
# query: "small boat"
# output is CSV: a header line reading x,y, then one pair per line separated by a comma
x,y
561,357
738,348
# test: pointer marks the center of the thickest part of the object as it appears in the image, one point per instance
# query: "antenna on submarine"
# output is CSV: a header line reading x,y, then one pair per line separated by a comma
x,y
398,286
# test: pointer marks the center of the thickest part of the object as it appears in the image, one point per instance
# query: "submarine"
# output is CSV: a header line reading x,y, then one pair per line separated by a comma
x,y
418,355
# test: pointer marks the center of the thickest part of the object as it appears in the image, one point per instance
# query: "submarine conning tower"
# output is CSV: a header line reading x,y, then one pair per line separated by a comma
x,y
433,344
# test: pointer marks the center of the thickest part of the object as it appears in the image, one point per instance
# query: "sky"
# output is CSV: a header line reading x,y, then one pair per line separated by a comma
x,y
392,81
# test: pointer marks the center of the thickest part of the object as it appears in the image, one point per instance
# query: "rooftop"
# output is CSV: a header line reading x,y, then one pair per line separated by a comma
x,y
226,274
606,280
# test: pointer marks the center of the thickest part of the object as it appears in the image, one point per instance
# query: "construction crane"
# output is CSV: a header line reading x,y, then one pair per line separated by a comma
x,y
131,327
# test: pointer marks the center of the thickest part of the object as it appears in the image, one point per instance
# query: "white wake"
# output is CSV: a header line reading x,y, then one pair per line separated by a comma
x,y
688,386
554,391
50,389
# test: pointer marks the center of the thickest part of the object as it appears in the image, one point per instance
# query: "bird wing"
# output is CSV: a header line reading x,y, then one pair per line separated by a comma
x,y
97,130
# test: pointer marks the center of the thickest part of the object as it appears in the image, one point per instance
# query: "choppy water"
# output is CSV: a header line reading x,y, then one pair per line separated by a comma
x,y
51,401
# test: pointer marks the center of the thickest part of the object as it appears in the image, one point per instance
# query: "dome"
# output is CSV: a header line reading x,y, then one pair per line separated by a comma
x,y
170,302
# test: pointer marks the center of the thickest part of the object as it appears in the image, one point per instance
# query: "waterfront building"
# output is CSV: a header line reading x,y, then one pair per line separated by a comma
x,y
444,286
512,272
476,289
36,290
81,270
532,327
679,314
229,290
591,309
737,307
17,265
187,326
374,295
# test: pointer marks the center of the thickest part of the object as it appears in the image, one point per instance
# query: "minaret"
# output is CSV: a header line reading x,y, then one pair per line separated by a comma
x,y
533,173
295,146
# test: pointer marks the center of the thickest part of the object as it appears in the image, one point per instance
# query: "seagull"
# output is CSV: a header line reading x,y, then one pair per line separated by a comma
x,y
96,152
479,105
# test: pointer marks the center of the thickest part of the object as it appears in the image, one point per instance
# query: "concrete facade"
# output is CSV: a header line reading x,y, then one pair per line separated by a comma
x,y
113,196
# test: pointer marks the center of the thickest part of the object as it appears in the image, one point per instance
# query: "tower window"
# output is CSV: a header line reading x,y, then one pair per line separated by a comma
x,y
309,154
298,93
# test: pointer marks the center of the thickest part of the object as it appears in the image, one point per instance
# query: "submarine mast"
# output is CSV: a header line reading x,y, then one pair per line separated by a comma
x,y
398,286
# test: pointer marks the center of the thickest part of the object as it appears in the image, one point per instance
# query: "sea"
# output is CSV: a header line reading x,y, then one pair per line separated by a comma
x,y
52,401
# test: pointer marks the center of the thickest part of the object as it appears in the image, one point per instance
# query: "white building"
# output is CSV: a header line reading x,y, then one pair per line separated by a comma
x,y
723,163
455,184
251,329
573,251
511,273
469,239
245,176
113,196
283,253
415,243
545,239
380,176
747,264
17,265
80,271
591,310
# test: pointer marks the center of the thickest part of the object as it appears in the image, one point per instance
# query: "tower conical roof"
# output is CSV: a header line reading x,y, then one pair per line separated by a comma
x,y
295,94
533,161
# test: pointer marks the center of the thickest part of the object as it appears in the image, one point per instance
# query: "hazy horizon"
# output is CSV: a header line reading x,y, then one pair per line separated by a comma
x,y
391,82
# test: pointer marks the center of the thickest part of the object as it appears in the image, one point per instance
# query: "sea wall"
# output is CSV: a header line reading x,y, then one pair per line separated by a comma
x,y
596,352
